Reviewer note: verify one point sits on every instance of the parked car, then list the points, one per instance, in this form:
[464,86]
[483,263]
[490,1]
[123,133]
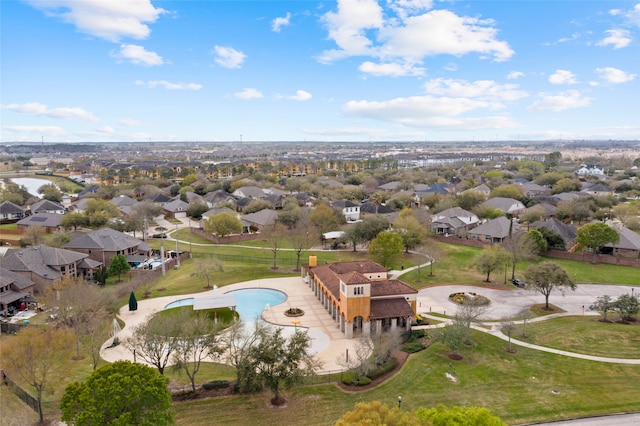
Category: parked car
[518,283]
[159,236]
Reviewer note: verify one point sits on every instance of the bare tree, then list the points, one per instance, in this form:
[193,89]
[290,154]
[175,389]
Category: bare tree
[520,247]
[154,340]
[205,267]
[359,362]
[198,339]
[301,239]
[508,328]
[467,313]
[274,234]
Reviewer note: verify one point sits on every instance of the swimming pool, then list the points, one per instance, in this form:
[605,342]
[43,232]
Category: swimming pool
[250,301]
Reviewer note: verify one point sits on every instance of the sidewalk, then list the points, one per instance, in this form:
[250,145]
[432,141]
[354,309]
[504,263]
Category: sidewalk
[327,341]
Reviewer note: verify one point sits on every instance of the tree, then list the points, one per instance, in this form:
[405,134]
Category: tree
[34,235]
[520,246]
[595,236]
[133,303]
[552,159]
[77,306]
[325,219]
[100,212]
[154,340]
[196,208]
[443,416]
[122,393]
[566,185]
[274,235]
[533,214]
[257,205]
[508,327]
[453,336]
[377,413]
[467,313]
[361,361]
[410,229]
[432,250]
[50,192]
[223,224]
[603,304]
[119,265]
[197,339]
[290,213]
[204,267]
[553,239]
[545,277]
[469,199]
[626,306]
[536,237]
[33,356]
[301,239]
[490,259]
[274,359]
[74,219]
[386,248]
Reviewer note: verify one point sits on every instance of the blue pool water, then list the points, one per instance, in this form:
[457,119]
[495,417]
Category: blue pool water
[250,301]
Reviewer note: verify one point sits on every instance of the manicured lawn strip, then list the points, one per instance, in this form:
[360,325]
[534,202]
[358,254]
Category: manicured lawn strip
[516,387]
[587,335]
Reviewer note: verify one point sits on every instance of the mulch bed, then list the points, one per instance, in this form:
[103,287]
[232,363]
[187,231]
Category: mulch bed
[399,355]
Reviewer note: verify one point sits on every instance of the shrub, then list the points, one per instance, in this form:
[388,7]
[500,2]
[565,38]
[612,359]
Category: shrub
[216,384]
[413,347]
[383,369]
[362,381]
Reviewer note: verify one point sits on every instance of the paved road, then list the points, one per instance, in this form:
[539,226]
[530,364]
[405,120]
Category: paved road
[632,419]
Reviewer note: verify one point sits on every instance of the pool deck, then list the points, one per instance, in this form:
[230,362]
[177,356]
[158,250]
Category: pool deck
[327,340]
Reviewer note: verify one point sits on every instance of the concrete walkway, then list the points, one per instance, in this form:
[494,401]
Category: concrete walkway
[328,343]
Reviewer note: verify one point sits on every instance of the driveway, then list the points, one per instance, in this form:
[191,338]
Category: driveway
[510,303]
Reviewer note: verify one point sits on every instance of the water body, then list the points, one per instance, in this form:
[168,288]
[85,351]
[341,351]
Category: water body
[32,184]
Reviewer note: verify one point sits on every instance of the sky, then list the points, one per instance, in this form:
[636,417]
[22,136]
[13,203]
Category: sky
[305,71]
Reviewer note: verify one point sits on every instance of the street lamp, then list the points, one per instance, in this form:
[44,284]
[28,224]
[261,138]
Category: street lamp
[399,401]
[177,251]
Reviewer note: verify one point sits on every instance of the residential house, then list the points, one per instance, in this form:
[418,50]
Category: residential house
[454,221]
[494,230]
[628,246]
[44,265]
[15,290]
[482,189]
[104,244]
[219,198]
[507,205]
[176,209]
[254,222]
[47,206]
[252,192]
[360,297]
[567,232]
[123,200]
[589,170]
[212,212]
[370,208]
[10,212]
[598,189]
[304,199]
[349,210]
[532,190]
[49,221]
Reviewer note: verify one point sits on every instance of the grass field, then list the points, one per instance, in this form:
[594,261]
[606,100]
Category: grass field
[517,387]
[587,335]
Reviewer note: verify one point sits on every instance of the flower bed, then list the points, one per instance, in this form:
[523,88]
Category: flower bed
[294,312]
[476,299]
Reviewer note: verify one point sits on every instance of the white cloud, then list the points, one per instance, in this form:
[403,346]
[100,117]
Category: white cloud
[633,15]
[248,93]
[359,28]
[405,8]
[138,55]
[36,130]
[301,95]
[129,122]
[228,57]
[391,69]
[152,84]
[562,77]
[614,75]
[482,89]
[561,101]
[278,23]
[35,108]
[106,130]
[616,38]
[514,75]
[106,19]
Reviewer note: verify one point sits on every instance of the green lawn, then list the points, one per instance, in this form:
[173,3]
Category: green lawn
[518,387]
[586,335]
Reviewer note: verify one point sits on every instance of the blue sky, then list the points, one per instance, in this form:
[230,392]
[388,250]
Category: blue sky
[352,70]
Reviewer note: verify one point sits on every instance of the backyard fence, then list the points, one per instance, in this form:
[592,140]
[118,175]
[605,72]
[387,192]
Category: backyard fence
[19,392]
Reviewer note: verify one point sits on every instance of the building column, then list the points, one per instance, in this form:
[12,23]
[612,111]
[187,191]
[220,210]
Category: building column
[341,323]
[394,324]
[366,329]
[348,330]
[378,327]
